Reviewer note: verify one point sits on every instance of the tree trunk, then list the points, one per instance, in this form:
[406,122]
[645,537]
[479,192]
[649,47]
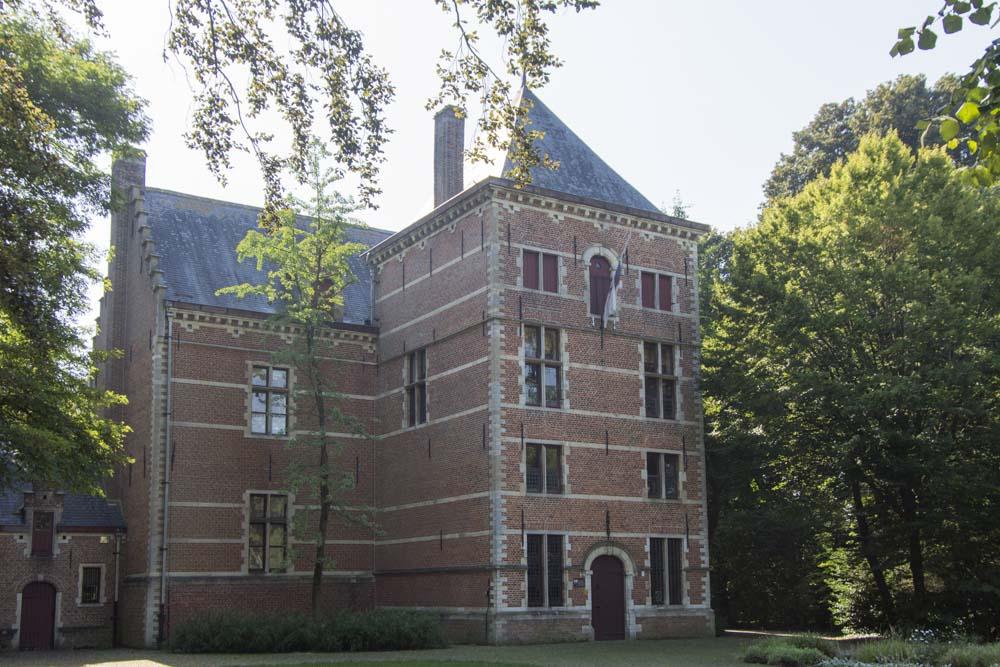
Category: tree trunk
[916,554]
[324,485]
[870,552]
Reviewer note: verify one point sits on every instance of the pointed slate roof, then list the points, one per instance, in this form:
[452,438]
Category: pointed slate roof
[581,171]
[196,240]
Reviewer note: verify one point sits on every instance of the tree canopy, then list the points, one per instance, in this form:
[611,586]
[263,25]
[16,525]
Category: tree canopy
[62,104]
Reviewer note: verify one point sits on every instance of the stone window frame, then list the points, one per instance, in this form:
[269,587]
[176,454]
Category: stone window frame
[676,377]
[564,568]
[415,385]
[289,401]
[562,362]
[674,301]
[541,252]
[668,589]
[584,264]
[680,477]
[102,597]
[247,520]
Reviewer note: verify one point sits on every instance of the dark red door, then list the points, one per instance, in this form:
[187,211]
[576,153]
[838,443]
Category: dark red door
[608,613]
[38,616]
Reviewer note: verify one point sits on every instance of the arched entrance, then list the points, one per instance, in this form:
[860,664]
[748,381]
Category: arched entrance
[608,598]
[38,616]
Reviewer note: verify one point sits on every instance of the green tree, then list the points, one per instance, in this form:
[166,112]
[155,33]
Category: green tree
[837,128]
[969,118]
[306,265]
[863,316]
[62,105]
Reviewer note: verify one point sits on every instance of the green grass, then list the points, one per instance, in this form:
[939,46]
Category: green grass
[408,663]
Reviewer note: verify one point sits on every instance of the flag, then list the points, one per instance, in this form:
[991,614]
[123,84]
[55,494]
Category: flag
[611,303]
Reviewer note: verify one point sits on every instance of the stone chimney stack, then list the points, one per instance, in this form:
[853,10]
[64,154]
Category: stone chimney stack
[449,149]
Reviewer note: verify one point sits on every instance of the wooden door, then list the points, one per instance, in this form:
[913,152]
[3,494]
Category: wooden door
[38,616]
[608,598]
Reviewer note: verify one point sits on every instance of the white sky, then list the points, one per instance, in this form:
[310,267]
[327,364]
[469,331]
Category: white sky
[700,97]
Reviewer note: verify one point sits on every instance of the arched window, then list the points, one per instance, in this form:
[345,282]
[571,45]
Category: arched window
[600,283]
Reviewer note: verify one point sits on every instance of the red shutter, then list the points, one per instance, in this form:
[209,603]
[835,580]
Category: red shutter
[648,290]
[550,273]
[665,293]
[530,260]
[41,534]
[600,284]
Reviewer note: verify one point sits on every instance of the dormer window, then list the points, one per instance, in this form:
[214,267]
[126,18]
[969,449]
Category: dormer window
[41,534]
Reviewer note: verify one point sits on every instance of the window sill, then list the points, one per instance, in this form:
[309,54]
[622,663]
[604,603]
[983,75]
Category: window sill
[666,501]
[544,494]
[415,427]
[267,436]
[92,605]
[543,407]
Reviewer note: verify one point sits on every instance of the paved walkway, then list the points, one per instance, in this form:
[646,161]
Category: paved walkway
[714,652]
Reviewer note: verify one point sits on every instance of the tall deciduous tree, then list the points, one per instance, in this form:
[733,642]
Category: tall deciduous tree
[305,261]
[62,105]
[865,315]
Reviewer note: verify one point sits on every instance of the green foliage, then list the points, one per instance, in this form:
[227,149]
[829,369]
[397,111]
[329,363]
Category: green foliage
[853,370]
[894,650]
[971,655]
[837,128]
[788,652]
[246,632]
[969,118]
[62,105]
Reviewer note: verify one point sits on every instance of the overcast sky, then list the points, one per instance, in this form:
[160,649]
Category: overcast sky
[695,97]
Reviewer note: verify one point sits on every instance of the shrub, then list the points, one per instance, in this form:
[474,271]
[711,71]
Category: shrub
[244,632]
[893,650]
[782,652]
[972,655]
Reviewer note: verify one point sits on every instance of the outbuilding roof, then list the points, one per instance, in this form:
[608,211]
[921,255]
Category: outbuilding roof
[79,510]
[196,242]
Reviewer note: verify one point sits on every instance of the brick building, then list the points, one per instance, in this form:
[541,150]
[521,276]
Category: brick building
[534,475]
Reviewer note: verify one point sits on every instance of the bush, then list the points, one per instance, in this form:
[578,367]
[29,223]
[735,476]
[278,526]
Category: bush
[242,632]
[972,655]
[893,650]
[783,652]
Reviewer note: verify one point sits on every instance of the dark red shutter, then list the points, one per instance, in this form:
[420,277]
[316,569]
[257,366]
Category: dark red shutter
[665,295]
[600,284]
[648,290]
[550,273]
[41,534]
[530,269]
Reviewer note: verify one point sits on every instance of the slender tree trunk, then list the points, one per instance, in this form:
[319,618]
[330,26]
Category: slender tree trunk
[871,553]
[916,554]
[324,485]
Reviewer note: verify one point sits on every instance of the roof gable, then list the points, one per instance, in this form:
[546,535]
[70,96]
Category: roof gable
[196,242]
[581,171]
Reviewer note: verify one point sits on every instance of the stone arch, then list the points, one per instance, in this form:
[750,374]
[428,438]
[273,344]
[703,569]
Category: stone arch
[588,256]
[607,548]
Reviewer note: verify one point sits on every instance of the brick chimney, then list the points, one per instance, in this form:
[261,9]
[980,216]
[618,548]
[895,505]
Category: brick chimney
[449,148]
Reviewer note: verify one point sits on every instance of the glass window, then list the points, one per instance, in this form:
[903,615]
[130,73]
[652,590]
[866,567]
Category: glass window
[545,570]
[659,380]
[662,475]
[90,585]
[543,468]
[269,403]
[268,536]
[542,367]
[416,387]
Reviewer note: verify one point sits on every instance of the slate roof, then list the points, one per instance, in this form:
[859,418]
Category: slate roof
[581,171]
[79,511]
[196,240]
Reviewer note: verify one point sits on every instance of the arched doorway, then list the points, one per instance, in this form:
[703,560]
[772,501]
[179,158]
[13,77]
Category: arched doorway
[600,283]
[38,616]
[608,598]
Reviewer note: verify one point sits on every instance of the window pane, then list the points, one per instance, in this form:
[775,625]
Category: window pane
[258,423]
[652,396]
[411,405]
[258,377]
[667,359]
[258,401]
[279,425]
[256,534]
[671,475]
[90,592]
[411,365]
[648,290]
[530,269]
[256,558]
[532,350]
[533,468]
[653,484]
[276,535]
[555,570]
[674,571]
[551,343]
[422,405]
[421,364]
[536,572]
[550,273]
[665,295]
[657,570]
[552,387]
[553,470]
[279,378]
[278,507]
[278,401]
[276,558]
[649,357]
[532,384]
[669,409]
[258,506]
